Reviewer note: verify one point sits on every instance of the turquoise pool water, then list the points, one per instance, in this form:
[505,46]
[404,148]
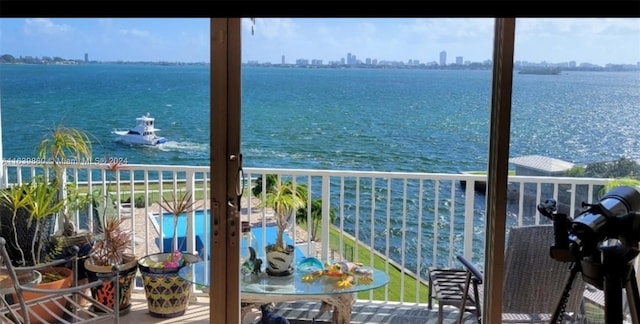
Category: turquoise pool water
[202,223]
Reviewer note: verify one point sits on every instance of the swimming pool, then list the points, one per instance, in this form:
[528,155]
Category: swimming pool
[202,223]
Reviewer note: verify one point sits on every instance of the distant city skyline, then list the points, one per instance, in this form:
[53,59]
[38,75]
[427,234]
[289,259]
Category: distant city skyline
[597,41]
[442,59]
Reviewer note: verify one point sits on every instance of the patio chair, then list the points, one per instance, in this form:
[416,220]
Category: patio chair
[63,305]
[445,286]
[533,281]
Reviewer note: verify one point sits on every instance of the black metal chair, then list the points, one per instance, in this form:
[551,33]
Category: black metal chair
[61,304]
[446,286]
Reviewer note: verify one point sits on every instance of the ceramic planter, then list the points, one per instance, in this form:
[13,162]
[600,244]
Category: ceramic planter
[167,294]
[279,262]
[65,281]
[105,293]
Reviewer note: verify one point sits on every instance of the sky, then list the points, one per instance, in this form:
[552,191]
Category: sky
[554,40]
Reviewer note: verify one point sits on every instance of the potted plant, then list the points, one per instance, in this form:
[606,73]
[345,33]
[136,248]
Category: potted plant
[33,206]
[285,199]
[59,146]
[166,292]
[29,210]
[112,247]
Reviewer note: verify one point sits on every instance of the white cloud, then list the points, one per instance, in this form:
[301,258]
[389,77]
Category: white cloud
[274,28]
[135,32]
[44,26]
[577,26]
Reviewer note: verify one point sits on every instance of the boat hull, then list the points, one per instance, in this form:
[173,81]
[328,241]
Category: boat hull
[139,140]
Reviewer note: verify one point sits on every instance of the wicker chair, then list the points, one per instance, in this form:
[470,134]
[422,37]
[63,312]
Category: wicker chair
[64,303]
[533,281]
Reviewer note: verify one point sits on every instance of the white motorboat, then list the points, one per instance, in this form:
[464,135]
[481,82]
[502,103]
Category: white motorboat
[144,133]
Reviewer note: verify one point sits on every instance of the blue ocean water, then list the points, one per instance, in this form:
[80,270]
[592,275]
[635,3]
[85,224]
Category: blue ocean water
[99,98]
[351,119]
[345,119]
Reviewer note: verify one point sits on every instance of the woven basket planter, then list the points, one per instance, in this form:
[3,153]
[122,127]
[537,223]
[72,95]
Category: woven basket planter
[167,294]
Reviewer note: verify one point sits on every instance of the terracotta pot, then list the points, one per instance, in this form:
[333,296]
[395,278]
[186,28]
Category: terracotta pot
[105,293]
[167,294]
[64,282]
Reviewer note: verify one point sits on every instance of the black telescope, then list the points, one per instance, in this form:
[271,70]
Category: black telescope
[601,242]
[613,217]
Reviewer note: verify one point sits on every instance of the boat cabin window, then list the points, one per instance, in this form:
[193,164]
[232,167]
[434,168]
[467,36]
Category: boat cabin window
[133,133]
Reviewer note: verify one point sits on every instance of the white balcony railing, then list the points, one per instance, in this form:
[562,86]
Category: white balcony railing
[411,220]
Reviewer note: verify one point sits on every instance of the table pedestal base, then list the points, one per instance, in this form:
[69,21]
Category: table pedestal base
[341,304]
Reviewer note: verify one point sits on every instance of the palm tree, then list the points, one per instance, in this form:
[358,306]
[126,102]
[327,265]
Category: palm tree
[177,206]
[271,181]
[60,146]
[286,200]
[316,216]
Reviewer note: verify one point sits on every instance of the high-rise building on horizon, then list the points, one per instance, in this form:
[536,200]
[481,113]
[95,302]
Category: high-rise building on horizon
[86,57]
[351,59]
[443,58]
[459,60]
[282,59]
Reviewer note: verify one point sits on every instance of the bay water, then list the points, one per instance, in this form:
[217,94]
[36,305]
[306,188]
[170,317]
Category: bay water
[346,119]
[341,119]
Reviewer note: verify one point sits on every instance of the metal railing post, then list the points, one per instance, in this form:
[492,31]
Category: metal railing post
[326,206]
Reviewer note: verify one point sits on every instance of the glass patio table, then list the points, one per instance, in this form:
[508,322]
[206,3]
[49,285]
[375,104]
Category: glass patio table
[262,289]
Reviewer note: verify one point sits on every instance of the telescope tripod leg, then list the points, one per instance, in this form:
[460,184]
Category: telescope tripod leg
[613,285]
[565,295]
[633,298]
[612,288]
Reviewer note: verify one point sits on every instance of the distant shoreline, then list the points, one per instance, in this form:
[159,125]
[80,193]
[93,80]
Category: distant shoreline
[472,66]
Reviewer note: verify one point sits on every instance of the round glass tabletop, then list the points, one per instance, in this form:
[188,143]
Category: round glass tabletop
[198,273]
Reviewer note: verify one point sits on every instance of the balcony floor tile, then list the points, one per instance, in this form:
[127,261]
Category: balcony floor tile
[303,312]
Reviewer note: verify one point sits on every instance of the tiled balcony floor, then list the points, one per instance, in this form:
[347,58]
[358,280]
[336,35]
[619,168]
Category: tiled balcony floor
[302,312]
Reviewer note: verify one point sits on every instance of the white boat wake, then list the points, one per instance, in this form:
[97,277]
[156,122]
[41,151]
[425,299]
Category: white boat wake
[183,146]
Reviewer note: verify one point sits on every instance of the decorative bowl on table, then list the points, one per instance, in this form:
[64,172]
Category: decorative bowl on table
[310,265]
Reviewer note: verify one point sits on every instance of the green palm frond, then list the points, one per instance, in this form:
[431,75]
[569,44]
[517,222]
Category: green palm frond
[626,181]
[285,199]
[177,206]
[42,201]
[62,144]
